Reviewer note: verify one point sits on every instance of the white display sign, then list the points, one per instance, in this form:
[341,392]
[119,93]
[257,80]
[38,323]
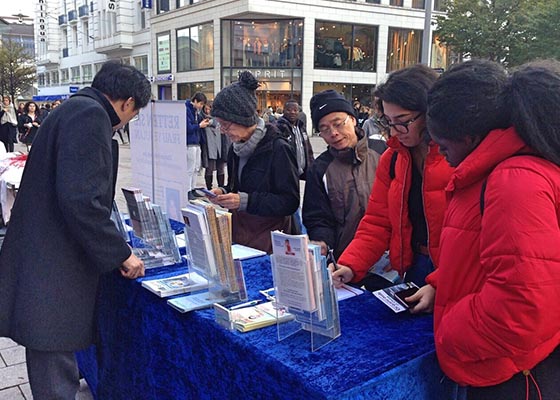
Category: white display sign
[42,20]
[158,151]
[112,5]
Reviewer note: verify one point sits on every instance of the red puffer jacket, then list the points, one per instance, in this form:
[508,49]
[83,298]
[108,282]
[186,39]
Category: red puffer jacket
[498,282]
[386,223]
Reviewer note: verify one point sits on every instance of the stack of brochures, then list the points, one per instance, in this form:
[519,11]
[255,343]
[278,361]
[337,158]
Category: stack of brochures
[250,318]
[150,223]
[177,284]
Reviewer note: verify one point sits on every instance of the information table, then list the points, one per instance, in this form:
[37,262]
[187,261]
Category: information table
[151,351]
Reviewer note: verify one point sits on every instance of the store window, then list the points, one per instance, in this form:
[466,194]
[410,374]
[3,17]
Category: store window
[360,92]
[141,63]
[404,48]
[345,46]
[262,44]
[195,48]
[439,5]
[187,90]
[441,55]
[164,52]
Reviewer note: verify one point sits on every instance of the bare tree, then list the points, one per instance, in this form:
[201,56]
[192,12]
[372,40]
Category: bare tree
[17,69]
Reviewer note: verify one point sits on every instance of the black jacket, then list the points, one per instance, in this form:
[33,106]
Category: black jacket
[285,128]
[61,237]
[270,179]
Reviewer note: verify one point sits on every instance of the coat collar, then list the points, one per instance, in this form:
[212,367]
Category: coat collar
[101,99]
[497,146]
[352,155]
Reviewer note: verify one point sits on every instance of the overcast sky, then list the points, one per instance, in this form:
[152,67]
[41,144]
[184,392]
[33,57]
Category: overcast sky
[10,7]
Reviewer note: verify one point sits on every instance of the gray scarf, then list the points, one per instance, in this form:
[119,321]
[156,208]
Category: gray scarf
[245,149]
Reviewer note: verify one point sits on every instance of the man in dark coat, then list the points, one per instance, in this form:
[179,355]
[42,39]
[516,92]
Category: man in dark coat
[61,238]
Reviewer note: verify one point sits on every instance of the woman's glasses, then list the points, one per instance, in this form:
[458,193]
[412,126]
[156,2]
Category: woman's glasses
[401,127]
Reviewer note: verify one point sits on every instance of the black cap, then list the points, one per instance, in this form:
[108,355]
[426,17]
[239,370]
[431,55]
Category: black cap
[326,102]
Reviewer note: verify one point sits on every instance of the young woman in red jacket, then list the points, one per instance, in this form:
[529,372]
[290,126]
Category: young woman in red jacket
[407,203]
[496,312]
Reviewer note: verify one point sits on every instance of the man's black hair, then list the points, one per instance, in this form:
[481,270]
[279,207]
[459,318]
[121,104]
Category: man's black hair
[200,97]
[119,82]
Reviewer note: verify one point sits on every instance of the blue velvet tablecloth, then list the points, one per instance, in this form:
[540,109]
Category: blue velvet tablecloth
[150,351]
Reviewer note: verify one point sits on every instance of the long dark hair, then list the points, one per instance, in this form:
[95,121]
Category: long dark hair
[532,98]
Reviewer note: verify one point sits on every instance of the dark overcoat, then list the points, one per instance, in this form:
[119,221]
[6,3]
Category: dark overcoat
[60,237]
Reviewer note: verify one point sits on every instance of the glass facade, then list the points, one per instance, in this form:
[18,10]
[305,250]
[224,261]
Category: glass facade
[353,92]
[345,46]
[195,47]
[262,43]
[187,90]
[404,48]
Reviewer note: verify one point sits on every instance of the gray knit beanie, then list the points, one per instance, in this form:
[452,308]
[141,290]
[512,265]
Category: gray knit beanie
[238,102]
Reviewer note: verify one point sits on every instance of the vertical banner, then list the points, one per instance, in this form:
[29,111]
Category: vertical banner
[158,152]
[42,21]
[111,5]
[164,52]
[146,3]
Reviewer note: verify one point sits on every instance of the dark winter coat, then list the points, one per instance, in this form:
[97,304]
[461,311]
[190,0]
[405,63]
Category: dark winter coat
[60,238]
[285,127]
[270,179]
[194,133]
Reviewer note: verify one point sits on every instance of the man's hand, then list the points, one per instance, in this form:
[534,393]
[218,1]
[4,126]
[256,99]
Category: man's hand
[425,296]
[342,275]
[132,267]
[231,201]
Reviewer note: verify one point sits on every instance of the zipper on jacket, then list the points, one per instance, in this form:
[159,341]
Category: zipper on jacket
[401,272]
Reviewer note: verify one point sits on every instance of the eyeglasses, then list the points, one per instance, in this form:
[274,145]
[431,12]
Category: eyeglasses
[337,126]
[224,126]
[401,127]
[135,118]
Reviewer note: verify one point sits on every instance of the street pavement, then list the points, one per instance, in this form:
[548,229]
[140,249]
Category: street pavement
[14,383]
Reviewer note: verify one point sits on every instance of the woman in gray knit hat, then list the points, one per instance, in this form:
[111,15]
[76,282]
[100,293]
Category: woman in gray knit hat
[263,186]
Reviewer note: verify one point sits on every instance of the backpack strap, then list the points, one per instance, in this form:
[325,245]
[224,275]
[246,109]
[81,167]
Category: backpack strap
[392,165]
[482,190]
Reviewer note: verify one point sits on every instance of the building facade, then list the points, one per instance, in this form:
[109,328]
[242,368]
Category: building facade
[294,47]
[75,37]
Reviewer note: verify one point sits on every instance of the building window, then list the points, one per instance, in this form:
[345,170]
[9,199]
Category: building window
[195,48]
[87,73]
[162,6]
[187,90]
[55,78]
[345,46]
[263,43]
[41,80]
[398,3]
[47,79]
[75,74]
[404,48]
[85,27]
[141,63]
[141,17]
[97,67]
[439,5]
[64,73]
[418,4]
[164,52]
[352,92]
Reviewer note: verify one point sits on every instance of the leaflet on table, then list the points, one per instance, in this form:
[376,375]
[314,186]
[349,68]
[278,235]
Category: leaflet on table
[389,296]
[241,252]
[380,266]
[250,318]
[193,302]
[293,276]
[178,284]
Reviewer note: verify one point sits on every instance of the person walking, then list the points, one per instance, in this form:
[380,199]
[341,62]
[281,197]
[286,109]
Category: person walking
[214,150]
[195,124]
[8,124]
[61,238]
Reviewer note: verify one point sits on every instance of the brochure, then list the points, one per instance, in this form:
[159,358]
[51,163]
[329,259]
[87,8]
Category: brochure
[178,284]
[393,296]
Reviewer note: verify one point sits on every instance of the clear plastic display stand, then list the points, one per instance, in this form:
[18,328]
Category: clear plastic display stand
[322,321]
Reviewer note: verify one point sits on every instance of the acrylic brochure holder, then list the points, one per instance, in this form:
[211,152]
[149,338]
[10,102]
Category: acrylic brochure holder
[303,287]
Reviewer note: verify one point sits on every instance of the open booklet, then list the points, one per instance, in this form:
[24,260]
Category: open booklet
[393,296]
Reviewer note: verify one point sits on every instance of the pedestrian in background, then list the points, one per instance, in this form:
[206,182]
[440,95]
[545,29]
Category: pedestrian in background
[8,124]
[196,122]
[61,238]
[214,150]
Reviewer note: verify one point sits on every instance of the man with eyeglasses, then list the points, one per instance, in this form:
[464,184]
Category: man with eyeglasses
[340,180]
[61,238]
